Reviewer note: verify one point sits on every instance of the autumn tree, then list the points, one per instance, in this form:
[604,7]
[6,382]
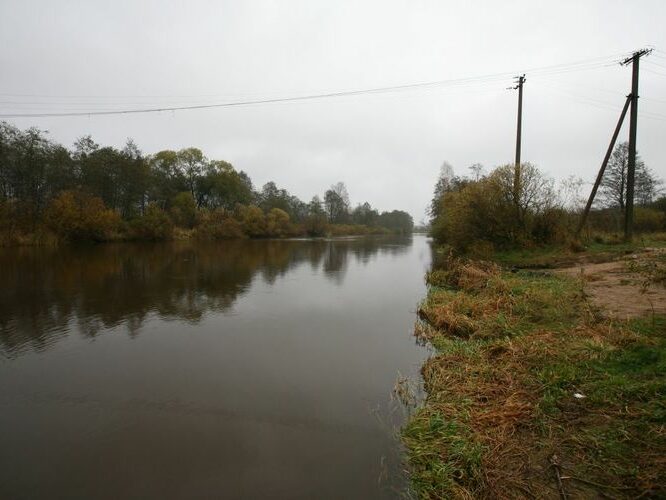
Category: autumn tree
[192,164]
[445,182]
[277,223]
[183,209]
[167,180]
[79,216]
[32,170]
[491,211]
[222,186]
[134,181]
[154,225]
[397,221]
[272,197]
[365,215]
[315,221]
[252,219]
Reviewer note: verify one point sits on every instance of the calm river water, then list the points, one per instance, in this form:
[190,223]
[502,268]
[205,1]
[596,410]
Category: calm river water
[244,369]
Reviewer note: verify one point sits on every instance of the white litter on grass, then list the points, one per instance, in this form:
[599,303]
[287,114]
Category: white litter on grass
[578,395]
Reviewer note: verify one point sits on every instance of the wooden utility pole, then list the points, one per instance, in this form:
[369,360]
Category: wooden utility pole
[519,86]
[633,122]
[520,80]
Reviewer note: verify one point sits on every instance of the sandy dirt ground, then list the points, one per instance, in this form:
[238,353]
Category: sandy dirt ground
[619,289]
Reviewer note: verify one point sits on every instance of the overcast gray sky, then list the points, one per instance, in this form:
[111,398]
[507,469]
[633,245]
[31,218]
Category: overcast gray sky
[388,147]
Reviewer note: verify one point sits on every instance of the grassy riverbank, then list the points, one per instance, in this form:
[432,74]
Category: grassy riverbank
[535,390]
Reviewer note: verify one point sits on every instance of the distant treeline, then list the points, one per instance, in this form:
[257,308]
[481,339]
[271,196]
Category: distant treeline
[49,192]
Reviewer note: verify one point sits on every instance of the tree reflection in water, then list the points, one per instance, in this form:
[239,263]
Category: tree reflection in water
[49,293]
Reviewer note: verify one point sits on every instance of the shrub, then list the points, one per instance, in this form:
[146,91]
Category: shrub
[155,224]
[277,223]
[483,250]
[218,225]
[8,217]
[316,225]
[649,219]
[606,220]
[183,210]
[492,211]
[78,216]
[252,220]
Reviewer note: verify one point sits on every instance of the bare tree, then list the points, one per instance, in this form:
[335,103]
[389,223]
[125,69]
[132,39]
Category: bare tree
[336,203]
[571,193]
[341,190]
[613,188]
[444,183]
[477,170]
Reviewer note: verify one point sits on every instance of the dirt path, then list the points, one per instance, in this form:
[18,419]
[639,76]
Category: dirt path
[618,287]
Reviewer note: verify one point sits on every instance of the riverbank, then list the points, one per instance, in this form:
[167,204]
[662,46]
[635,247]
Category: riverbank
[46,238]
[538,389]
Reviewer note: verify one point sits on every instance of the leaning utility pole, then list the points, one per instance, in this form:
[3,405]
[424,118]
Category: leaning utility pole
[633,121]
[600,175]
[520,80]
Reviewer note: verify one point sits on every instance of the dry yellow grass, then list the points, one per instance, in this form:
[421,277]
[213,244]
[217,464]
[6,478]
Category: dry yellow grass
[550,401]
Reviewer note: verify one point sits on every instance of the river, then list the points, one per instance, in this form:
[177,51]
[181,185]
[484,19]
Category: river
[241,369]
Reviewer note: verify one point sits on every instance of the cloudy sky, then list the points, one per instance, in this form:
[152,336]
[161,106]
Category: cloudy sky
[387,147]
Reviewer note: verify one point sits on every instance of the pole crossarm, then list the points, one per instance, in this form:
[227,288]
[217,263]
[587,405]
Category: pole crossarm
[639,53]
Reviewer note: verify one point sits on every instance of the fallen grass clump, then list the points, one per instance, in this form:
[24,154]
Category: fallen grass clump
[531,395]
[475,300]
[464,274]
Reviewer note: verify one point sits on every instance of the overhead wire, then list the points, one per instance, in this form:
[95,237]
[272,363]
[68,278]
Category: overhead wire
[653,72]
[653,63]
[600,89]
[582,65]
[601,104]
[554,67]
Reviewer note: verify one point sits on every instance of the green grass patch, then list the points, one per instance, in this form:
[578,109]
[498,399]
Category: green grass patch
[552,256]
[523,373]
[443,455]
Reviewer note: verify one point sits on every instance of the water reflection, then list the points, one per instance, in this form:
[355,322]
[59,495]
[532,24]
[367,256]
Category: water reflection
[48,293]
[247,369]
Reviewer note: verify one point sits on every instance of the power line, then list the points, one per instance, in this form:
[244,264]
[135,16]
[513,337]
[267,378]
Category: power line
[654,72]
[457,89]
[587,64]
[598,89]
[652,63]
[598,103]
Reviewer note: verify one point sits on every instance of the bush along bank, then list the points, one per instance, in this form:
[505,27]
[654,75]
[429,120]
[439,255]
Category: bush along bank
[534,393]
[78,217]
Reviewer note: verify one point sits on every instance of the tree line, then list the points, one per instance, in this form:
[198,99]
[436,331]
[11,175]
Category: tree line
[487,211]
[94,192]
